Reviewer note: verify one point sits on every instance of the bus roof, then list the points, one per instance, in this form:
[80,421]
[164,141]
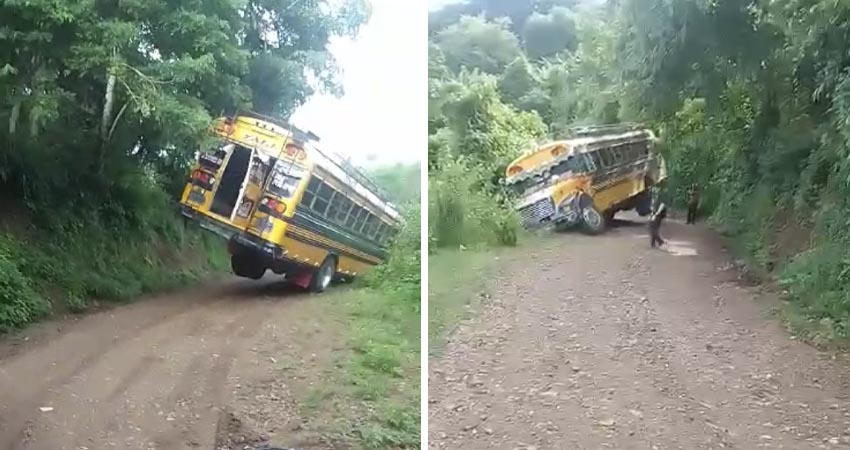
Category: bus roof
[550,151]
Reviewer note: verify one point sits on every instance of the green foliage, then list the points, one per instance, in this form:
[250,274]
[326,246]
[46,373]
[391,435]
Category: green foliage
[82,262]
[546,35]
[474,135]
[400,181]
[464,210]
[94,93]
[474,43]
[19,302]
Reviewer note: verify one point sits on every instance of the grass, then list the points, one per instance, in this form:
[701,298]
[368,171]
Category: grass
[456,280]
[368,395]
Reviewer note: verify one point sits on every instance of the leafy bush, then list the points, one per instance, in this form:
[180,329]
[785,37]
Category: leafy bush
[19,302]
[75,262]
[465,210]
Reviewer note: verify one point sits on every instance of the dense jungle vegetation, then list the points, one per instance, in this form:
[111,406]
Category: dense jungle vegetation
[103,105]
[750,99]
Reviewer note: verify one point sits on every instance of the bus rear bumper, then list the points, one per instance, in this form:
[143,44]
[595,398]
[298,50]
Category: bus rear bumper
[242,242]
[238,241]
[208,223]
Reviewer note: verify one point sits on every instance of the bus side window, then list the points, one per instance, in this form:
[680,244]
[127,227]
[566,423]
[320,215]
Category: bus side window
[310,193]
[344,206]
[586,163]
[333,209]
[607,157]
[623,151]
[323,199]
[597,160]
[358,227]
[381,235]
[352,218]
[616,154]
[393,232]
[371,226]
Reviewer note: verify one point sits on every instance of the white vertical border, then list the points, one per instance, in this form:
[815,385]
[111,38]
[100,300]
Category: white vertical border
[421,141]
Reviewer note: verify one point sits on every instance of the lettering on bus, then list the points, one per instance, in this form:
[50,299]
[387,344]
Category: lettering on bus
[258,142]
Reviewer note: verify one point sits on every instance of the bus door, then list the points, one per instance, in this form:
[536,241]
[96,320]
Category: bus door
[252,188]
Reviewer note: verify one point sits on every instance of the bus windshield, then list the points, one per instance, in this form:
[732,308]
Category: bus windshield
[549,175]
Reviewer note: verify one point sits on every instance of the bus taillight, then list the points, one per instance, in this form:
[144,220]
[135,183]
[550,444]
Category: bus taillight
[203,179]
[273,207]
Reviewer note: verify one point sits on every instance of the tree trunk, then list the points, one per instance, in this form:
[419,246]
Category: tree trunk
[108,101]
[13,117]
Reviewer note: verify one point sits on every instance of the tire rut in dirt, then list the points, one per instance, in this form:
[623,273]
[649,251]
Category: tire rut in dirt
[130,381]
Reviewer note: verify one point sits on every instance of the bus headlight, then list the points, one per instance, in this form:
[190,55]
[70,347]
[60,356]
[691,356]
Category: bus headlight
[569,209]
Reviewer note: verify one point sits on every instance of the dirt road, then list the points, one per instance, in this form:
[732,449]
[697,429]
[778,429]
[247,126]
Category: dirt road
[600,342]
[182,371]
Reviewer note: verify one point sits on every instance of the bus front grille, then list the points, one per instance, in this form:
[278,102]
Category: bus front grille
[537,212]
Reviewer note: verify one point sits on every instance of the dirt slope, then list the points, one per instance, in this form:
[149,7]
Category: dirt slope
[183,371]
[600,342]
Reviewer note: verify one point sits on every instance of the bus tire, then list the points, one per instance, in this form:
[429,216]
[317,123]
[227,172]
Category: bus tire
[323,276]
[245,266]
[593,222]
[643,203]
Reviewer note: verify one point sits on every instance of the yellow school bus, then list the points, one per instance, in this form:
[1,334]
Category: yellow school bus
[584,180]
[286,206]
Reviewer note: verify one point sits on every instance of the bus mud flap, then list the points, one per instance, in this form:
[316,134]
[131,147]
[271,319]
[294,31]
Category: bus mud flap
[302,279]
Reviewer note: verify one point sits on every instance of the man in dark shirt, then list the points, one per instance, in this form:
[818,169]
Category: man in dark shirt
[655,225]
[693,204]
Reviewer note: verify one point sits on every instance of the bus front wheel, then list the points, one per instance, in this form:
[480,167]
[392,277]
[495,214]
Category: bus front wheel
[323,276]
[593,221]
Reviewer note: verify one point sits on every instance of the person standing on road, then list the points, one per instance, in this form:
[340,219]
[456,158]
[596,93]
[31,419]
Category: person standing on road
[655,225]
[693,204]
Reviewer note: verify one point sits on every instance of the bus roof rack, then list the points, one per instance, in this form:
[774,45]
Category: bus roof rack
[599,130]
[344,163]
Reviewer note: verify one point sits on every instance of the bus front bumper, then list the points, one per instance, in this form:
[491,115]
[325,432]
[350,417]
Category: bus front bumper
[565,215]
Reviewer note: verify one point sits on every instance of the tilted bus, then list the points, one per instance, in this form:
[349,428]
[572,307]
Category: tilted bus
[286,206]
[586,179]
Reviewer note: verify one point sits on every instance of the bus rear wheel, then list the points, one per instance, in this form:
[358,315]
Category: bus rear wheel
[323,276]
[245,266]
[643,203]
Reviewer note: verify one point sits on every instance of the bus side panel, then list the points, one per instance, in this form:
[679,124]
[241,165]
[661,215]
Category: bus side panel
[302,252]
[351,266]
[618,192]
[313,255]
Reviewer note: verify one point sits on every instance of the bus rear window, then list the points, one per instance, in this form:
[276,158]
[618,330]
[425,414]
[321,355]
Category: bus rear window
[285,179]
